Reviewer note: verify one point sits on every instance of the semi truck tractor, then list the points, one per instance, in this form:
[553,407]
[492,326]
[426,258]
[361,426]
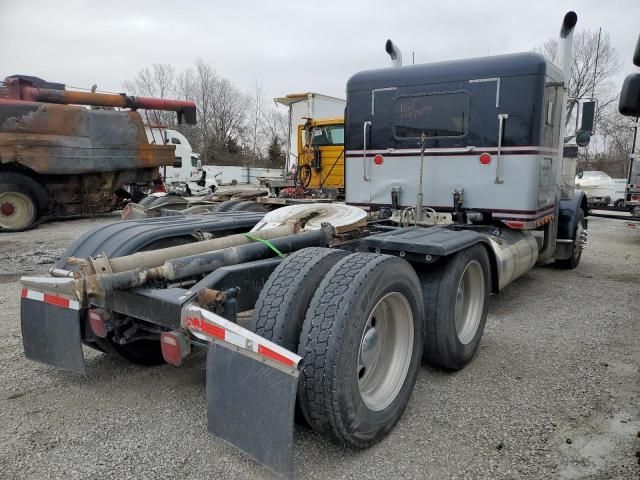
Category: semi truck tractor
[60,158]
[323,313]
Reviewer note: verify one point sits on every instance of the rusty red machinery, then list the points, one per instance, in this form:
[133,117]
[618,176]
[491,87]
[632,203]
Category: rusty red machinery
[67,152]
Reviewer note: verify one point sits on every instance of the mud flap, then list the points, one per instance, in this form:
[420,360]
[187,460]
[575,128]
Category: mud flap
[51,335]
[251,389]
[251,406]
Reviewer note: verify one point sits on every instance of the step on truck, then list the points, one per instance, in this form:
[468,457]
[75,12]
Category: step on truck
[455,187]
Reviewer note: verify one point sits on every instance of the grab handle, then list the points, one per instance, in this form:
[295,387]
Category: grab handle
[501,120]
[364,151]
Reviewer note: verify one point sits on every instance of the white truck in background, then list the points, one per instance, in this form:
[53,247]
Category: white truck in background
[601,189]
[186,175]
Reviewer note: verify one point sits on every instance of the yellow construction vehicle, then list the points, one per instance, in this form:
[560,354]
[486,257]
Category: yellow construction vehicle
[321,154]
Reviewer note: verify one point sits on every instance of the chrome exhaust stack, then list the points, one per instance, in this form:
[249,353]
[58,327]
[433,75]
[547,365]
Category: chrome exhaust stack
[394,52]
[565,44]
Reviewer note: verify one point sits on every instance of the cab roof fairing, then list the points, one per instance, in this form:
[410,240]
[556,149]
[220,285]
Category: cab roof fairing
[516,64]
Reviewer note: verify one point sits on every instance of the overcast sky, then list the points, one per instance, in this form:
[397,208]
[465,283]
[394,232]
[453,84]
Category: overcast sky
[287,46]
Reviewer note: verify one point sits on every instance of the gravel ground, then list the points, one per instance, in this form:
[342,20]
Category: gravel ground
[552,393]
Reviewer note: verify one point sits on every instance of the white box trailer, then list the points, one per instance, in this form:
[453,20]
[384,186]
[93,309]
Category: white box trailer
[303,106]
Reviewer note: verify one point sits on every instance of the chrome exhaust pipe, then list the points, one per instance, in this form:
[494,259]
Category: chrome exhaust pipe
[565,44]
[394,52]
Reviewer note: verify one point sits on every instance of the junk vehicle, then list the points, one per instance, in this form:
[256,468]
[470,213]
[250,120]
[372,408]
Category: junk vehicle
[455,187]
[59,158]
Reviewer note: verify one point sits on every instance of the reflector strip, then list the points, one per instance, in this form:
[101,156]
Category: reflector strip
[204,327]
[201,321]
[51,298]
[267,352]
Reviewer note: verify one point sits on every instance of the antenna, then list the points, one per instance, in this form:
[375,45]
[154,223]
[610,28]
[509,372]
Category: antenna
[595,67]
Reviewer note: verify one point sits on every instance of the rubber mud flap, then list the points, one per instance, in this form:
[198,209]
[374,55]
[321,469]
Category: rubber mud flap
[51,335]
[250,405]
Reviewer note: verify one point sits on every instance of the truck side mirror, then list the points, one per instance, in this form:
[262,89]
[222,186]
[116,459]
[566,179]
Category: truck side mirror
[583,139]
[587,116]
[629,104]
[199,164]
[187,115]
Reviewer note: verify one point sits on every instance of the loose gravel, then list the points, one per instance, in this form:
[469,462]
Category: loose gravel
[552,393]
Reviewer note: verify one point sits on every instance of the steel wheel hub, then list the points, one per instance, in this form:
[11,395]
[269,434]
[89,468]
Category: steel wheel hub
[386,348]
[7,209]
[16,210]
[469,302]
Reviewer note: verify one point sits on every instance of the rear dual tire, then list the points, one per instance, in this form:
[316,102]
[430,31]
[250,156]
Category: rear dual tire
[285,297]
[357,322]
[361,344]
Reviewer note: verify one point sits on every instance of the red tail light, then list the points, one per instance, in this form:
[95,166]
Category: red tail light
[97,322]
[175,347]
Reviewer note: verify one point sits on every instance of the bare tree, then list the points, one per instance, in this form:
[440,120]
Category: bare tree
[158,81]
[588,79]
[232,126]
[229,111]
[274,128]
[274,123]
[615,139]
[198,84]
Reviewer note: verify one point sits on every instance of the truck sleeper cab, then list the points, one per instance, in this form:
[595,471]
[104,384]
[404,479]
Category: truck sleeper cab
[491,128]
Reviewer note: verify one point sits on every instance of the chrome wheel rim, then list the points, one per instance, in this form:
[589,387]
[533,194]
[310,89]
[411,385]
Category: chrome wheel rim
[386,348]
[580,241]
[16,210]
[469,302]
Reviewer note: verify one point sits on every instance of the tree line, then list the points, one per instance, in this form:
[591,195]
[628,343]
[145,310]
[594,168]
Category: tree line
[233,127]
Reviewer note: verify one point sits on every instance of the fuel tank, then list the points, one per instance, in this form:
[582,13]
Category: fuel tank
[516,253]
